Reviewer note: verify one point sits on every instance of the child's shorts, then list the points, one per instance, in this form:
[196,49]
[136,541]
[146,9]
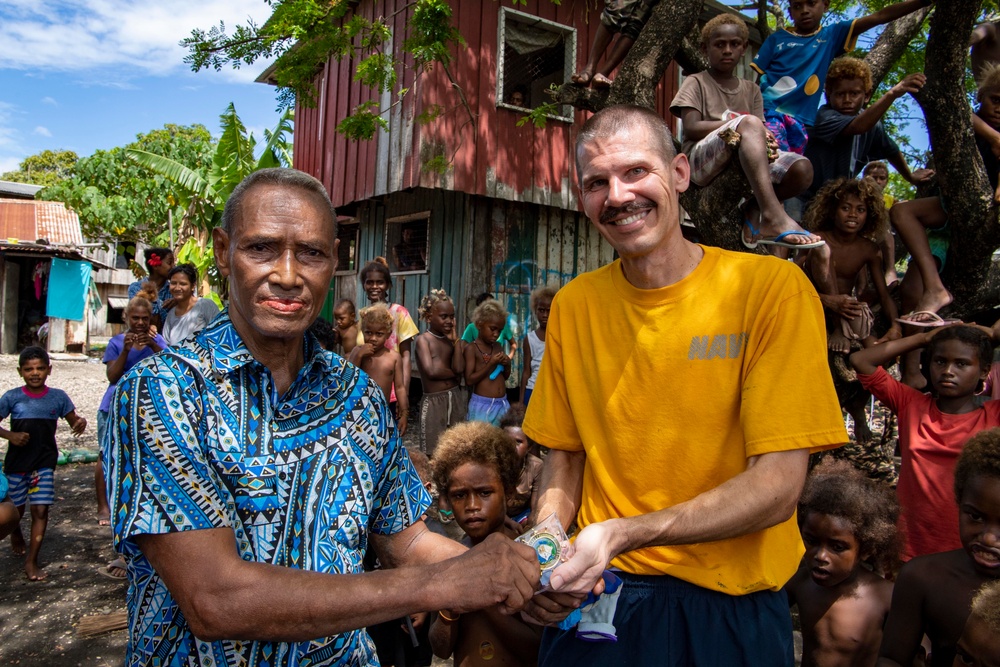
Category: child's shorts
[710,156]
[489,410]
[661,620]
[3,487]
[439,411]
[38,487]
[789,132]
[627,17]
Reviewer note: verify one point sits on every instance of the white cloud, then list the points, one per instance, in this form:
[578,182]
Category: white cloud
[12,152]
[9,164]
[128,38]
[49,101]
[43,131]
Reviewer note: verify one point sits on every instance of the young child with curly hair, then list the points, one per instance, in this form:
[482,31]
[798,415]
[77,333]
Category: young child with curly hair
[439,359]
[383,365]
[933,594]
[848,525]
[487,366]
[476,468]
[979,645]
[850,216]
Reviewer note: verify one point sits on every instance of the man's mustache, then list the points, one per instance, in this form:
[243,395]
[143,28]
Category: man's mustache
[610,214]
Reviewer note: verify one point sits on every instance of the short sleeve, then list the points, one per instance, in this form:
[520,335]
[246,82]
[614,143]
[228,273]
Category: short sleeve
[763,58]
[470,334]
[400,498]
[829,124]
[208,309]
[887,389]
[787,370]
[114,349]
[157,471]
[844,36]
[405,328]
[65,404]
[883,147]
[133,289]
[549,420]
[6,405]
[689,96]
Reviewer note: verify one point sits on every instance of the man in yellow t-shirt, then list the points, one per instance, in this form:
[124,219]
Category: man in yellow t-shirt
[682,390]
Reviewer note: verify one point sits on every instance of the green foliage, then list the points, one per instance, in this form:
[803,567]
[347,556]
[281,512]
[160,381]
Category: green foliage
[115,197]
[363,123]
[46,168]
[439,164]
[539,116]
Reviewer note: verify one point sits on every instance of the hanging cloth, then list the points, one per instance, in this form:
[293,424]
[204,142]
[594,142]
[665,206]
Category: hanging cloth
[69,282]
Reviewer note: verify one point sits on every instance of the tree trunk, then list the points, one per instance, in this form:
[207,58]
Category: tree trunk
[965,191]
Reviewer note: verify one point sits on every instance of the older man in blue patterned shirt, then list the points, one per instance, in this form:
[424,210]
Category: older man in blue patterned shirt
[250,470]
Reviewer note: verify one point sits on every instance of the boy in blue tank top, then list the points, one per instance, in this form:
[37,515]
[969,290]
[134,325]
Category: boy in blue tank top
[34,411]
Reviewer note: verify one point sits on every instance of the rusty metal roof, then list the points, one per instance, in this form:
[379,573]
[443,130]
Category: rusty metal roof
[31,220]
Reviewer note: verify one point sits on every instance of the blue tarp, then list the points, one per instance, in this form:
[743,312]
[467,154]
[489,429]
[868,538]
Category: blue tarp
[69,282]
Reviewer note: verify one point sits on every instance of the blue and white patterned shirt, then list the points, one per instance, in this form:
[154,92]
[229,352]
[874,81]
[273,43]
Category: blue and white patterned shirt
[201,439]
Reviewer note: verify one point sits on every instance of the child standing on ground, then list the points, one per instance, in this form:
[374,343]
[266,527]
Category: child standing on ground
[439,360]
[476,468]
[792,64]
[345,317]
[933,594]
[849,215]
[847,522]
[376,280]
[525,495]
[34,410]
[482,360]
[723,115]
[979,645]
[932,429]
[383,365]
[534,343]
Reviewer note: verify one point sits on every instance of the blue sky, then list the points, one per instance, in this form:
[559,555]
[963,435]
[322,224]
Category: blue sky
[91,74]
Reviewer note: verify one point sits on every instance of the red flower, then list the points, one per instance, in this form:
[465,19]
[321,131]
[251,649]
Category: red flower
[154,260]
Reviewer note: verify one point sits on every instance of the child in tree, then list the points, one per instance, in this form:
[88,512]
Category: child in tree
[878,172]
[792,64]
[846,135]
[487,367]
[979,645]
[345,317]
[933,429]
[624,17]
[848,525]
[534,343]
[385,366]
[475,466]
[722,115]
[440,361]
[849,215]
[34,411]
[933,594]
[522,501]
[922,289]
[985,42]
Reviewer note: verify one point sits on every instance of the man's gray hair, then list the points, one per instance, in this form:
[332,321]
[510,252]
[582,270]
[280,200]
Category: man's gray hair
[624,118]
[292,178]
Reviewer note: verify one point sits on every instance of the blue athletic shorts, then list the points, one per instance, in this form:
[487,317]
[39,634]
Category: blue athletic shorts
[38,487]
[663,621]
[489,410]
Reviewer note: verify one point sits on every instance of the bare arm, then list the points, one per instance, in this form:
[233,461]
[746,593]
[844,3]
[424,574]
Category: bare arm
[904,628]
[16,438]
[762,496]
[402,398]
[223,597]
[868,360]
[404,351]
[116,369]
[431,367]
[916,177]
[868,117]
[982,129]
[443,634]
[561,487]
[696,128]
[877,272]
[983,32]
[474,375]
[887,14]
[77,424]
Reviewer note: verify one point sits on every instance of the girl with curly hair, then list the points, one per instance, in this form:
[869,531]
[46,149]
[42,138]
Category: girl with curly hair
[850,216]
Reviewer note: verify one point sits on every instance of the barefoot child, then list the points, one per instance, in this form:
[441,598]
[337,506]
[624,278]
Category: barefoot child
[878,172]
[476,468]
[847,522]
[34,410]
[932,429]
[723,115]
[624,17]
[385,366]
[534,342]
[933,593]
[979,645]
[345,317]
[525,495]
[439,360]
[483,357]
[849,215]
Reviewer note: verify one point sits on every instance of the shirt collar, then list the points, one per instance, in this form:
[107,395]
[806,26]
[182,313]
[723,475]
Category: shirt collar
[228,353]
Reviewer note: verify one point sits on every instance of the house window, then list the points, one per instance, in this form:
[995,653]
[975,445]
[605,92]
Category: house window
[406,242]
[534,54]
[348,231]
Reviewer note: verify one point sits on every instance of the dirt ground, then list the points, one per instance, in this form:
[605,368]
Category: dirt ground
[39,618]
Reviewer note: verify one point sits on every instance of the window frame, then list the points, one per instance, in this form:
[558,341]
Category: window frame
[341,224]
[401,220]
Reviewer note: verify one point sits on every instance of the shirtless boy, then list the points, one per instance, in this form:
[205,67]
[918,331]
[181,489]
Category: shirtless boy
[440,362]
[483,357]
[383,365]
[476,467]
[344,316]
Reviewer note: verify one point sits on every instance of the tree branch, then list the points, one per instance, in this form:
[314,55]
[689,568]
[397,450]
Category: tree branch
[893,42]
